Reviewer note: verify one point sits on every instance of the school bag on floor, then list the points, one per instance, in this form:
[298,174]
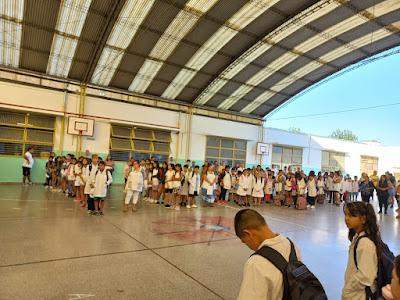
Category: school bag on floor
[301,203]
[299,282]
[278,200]
[321,198]
[385,269]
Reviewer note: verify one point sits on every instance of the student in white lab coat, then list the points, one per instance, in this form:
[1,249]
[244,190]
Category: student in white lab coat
[355,188]
[194,187]
[232,190]
[360,218]
[85,178]
[258,186]
[88,189]
[208,186]
[243,188]
[134,186]
[101,180]
[261,279]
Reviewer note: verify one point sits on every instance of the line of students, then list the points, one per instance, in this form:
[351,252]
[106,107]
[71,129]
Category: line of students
[372,271]
[85,180]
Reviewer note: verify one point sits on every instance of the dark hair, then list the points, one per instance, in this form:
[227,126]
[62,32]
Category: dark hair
[397,266]
[102,163]
[227,167]
[197,167]
[30,148]
[240,172]
[371,228]
[248,219]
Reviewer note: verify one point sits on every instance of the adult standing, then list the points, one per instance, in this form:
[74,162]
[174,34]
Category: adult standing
[367,188]
[27,165]
[109,163]
[383,187]
[375,179]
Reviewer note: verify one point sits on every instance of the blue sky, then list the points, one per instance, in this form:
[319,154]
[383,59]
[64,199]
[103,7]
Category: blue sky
[374,84]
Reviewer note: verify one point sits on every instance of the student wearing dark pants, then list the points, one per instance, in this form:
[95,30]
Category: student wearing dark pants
[226,184]
[382,188]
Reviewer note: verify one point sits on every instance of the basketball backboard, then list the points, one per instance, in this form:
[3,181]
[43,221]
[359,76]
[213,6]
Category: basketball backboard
[80,126]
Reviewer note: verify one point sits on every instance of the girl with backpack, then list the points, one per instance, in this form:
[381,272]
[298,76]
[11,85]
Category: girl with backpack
[364,253]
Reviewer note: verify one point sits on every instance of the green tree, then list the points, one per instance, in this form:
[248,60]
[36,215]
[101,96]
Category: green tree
[295,129]
[344,135]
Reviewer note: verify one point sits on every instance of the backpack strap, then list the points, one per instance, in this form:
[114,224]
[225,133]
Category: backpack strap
[274,257]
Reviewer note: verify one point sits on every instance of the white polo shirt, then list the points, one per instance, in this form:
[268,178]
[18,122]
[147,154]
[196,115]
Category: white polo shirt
[261,279]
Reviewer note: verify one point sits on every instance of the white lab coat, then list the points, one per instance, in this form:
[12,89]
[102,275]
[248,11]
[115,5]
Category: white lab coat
[135,181]
[88,189]
[355,280]
[70,172]
[312,188]
[321,184]
[268,186]
[233,184]
[193,187]
[243,184]
[261,279]
[251,180]
[258,185]
[168,176]
[101,182]
[227,181]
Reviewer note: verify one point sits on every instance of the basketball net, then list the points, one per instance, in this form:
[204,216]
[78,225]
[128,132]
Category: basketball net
[80,132]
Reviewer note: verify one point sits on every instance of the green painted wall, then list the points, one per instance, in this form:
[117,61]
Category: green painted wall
[11,169]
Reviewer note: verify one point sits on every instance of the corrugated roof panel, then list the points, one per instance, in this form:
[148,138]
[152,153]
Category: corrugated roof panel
[13,9]
[72,16]
[10,42]
[62,53]
[105,69]
[145,75]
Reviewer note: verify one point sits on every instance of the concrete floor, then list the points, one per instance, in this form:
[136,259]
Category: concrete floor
[51,249]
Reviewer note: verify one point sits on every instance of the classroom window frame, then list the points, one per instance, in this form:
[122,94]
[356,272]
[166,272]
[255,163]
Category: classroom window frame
[24,125]
[220,148]
[337,166]
[282,163]
[137,143]
[374,166]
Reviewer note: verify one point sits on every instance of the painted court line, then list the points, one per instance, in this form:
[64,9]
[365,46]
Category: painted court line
[276,219]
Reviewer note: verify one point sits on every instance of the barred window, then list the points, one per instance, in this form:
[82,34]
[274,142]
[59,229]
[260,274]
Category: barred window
[228,150]
[333,161]
[139,143]
[287,157]
[19,131]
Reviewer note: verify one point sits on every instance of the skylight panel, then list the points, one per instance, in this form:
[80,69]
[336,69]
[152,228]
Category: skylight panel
[129,20]
[145,76]
[11,31]
[71,18]
[61,55]
[212,90]
[235,96]
[104,71]
[264,97]
[178,84]
[200,7]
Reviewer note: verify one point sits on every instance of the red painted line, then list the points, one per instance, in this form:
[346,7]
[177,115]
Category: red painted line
[90,116]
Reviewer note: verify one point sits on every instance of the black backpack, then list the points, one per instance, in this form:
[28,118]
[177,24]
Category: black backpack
[385,269]
[107,172]
[299,283]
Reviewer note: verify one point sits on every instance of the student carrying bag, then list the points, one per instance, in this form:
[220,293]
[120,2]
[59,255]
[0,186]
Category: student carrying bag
[385,269]
[299,283]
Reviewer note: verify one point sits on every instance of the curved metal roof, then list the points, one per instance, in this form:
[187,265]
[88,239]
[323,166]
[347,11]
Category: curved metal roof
[242,56]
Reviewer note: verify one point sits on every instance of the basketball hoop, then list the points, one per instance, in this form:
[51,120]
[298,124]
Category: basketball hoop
[80,132]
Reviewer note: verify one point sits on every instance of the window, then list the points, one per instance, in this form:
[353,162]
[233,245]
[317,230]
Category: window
[287,157]
[368,164]
[230,151]
[19,131]
[332,161]
[139,143]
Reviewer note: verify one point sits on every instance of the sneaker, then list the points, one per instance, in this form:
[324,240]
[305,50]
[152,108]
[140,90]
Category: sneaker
[96,213]
[177,208]
[194,206]
[89,211]
[46,187]
[224,202]
[134,208]
[312,206]
[219,202]
[101,213]
[162,202]
[82,205]
[188,206]
[308,205]
[167,206]
[77,199]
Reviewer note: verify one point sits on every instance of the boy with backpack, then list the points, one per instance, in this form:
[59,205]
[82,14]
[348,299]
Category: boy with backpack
[99,183]
[275,270]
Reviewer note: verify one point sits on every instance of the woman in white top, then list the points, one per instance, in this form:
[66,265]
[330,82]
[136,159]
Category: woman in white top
[312,191]
[185,186]
[134,186]
[169,175]
[208,186]
[85,180]
[258,185]
[361,273]
[177,185]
